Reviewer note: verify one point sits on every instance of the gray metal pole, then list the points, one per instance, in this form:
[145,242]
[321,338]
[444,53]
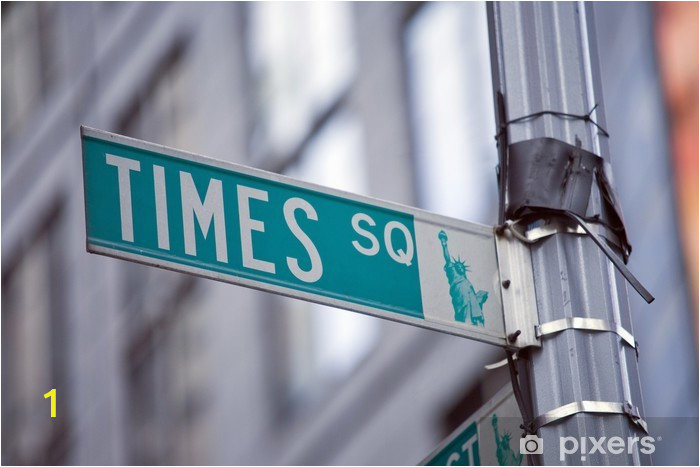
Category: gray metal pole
[544,57]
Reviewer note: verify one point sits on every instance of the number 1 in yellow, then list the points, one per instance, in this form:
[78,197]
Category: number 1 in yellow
[52,395]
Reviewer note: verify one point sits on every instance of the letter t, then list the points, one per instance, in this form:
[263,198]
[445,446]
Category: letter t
[123,166]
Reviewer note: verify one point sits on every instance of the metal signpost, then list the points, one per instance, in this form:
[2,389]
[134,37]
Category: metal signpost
[168,208]
[491,436]
[583,382]
[578,394]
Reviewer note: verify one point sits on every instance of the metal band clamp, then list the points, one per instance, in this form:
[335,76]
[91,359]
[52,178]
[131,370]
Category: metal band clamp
[586,324]
[601,407]
[546,226]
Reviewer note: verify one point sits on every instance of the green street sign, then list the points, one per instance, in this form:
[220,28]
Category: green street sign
[168,208]
[489,437]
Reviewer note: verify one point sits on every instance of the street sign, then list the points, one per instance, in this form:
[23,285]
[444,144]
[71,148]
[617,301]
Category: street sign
[168,208]
[489,437]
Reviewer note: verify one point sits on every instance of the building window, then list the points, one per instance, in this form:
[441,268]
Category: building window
[323,345]
[334,156]
[448,61]
[167,395]
[326,344]
[29,65]
[302,59]
[162,109]
[34,353]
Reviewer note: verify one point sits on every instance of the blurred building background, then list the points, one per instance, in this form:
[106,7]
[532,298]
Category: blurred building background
[391,100]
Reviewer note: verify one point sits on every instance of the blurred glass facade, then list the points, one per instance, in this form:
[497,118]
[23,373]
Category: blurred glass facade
[391,100]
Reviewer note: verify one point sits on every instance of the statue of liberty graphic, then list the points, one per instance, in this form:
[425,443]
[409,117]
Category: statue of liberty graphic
[504,454]
[466,301]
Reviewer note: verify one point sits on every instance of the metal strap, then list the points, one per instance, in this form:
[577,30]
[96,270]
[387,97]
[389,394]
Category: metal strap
[586,324]
[553,225]
[600,407]
[634,282]
[500,363]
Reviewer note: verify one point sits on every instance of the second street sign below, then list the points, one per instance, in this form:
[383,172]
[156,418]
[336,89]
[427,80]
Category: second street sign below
[167,208]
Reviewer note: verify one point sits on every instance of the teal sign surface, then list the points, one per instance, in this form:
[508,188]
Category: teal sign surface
[185,212]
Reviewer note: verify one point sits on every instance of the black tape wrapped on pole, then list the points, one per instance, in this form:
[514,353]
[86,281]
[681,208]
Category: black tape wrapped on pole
[555,179]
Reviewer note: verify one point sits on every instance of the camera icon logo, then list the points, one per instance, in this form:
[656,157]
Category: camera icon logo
[531,444]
